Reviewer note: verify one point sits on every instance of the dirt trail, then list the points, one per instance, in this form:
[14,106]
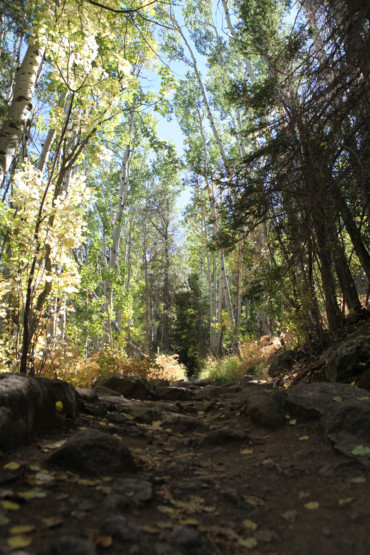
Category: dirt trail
[208,481]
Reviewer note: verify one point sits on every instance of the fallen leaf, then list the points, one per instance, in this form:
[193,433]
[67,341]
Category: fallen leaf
[44,476]
[53,521]
[17,542]
[128,416]
[249,524]
[302,438]
[293,422]
[246,451]
[31,494]
[312,505]
[253,500]
[189,522]
[358,480]
[149,529]
[157,423]
[303,494]
[10,505]
[87,482]
[361,450]
[345,501]
[101,541]
[337,399]
[22,529]
[290,515]
[59,406]
[166,509]
[249,543]
[11,466]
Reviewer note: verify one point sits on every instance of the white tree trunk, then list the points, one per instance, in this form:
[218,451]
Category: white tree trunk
[20,109]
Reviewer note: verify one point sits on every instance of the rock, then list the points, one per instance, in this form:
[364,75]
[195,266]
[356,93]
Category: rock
[347,425]
[120,529]
[27,409]
[263,407]
[182,423]
[281,363]
[208,392]
[165,549]
[71,546]
[64,393]
[173,393]
[221,436]
[102,391]
[350,357]
[310,400]
[132,387]
[93,453]
[140,491]
[185,537]
[364,380]
[87,395]
[146,415]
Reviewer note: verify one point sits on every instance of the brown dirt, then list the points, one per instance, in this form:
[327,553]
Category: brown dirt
[279,492]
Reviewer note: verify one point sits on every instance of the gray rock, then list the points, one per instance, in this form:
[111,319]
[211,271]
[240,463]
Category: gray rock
[173,393]
[27,409]
[347,425]
[281,363]
[132,387]
[120,529]
[364,380]
[140,491]
[208,392]
[185,537]
[182,423]
[350,357]
[93,453]
[87,395]
[71,546]
[165,549]
[310,400]
[263,406]
[103,391]
[65,393]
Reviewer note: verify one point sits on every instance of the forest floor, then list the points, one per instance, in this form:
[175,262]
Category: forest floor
[283,491]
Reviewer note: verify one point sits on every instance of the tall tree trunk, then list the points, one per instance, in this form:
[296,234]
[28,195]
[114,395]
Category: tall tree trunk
[15,123]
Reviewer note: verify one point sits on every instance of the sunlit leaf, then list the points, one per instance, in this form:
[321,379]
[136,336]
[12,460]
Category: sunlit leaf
[246,451]
[312,505]
[17,542]
[303,438]
[361,450]
[59,406]
[11,466]
[53,521]
[9,505]
[358,480]
[247,523]
[22,529]
[345,501]
[248,543]
[31,494]
[337,399]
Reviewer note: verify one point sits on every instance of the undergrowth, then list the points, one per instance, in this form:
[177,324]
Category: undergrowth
[253,361]
[64,363]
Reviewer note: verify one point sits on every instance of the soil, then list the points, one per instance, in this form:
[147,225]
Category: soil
[282,491]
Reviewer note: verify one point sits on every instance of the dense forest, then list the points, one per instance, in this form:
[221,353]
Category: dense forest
[272,99]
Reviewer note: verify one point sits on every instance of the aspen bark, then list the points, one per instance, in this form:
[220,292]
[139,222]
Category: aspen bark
[15,123]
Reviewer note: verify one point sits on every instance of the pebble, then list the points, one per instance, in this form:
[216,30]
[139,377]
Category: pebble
[71,546]
[120,529]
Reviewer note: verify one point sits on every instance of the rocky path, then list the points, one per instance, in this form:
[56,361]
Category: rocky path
[195,470]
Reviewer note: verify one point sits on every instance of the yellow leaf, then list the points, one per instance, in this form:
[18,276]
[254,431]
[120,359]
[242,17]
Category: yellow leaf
[9,505]
[292,422]
[59,406]
[157,423]
[11,466]
[149,529]
[312,505]
[17,542]
[249,543]
[249,524]
[53,521]
[189,522]
[246,451]
[128,416]
[302,438]
[303,494]
[86,482]
[345,501]
[22,529]
[31,494]
[337,399]
[166,509]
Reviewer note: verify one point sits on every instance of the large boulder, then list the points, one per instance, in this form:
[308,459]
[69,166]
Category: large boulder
[347,425]
[131,387]
[28,407]
[350,357]
[93,453]
[263,406]
[311,400]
